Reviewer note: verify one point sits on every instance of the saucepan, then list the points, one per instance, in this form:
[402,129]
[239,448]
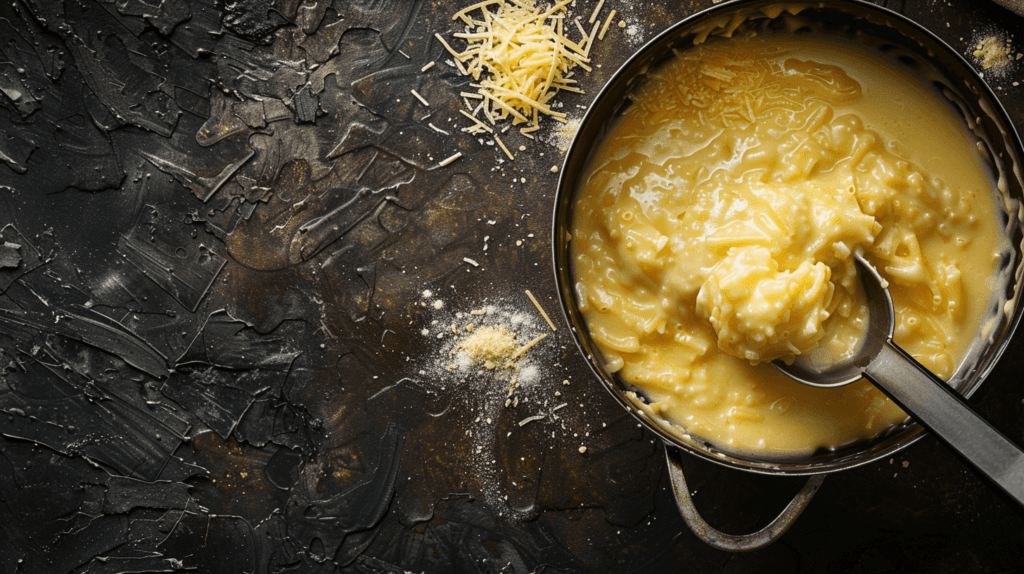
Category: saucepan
[898,39]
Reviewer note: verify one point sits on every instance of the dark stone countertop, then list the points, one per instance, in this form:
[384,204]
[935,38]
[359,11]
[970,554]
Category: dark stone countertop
[219,220]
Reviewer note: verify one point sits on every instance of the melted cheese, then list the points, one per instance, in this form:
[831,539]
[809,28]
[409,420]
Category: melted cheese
[716,228]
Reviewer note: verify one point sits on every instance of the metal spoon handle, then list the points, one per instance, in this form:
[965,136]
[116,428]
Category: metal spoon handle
[939,409]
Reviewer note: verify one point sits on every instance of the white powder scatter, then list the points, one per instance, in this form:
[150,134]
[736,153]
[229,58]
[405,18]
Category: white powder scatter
[483,363]
[438,304]
[519,318]
[634,33]
[428,294]
[529,375]
[562,135]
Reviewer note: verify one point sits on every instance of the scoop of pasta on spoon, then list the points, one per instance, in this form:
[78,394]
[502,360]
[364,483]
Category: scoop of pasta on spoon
[922,395]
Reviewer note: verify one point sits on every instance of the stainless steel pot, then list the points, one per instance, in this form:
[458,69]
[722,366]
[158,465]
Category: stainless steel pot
[894,37]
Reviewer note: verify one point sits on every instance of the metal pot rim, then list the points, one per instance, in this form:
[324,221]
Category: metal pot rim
[596,120]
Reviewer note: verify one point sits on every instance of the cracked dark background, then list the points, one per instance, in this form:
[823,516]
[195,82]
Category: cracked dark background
[218,218]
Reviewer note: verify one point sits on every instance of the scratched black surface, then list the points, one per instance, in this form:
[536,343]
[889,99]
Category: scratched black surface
[217,218]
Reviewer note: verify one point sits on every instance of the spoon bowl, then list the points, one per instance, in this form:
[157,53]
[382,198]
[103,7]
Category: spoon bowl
[921,394]
[819,369]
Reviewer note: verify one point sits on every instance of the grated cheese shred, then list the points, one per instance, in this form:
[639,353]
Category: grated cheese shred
[449,160]
[504,149]
[420,98]
[536,304]
[519,59]
[477,126]
[529,345]
[608,22]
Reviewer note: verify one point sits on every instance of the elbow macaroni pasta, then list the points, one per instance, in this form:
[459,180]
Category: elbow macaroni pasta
[716,228]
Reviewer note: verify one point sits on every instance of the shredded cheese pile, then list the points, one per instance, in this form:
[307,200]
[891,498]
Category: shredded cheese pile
[520,58]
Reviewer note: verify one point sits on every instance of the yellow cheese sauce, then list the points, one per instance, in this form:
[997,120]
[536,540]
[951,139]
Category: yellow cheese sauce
[715,230]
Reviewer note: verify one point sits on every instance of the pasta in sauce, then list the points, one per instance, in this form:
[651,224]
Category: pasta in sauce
[716,227]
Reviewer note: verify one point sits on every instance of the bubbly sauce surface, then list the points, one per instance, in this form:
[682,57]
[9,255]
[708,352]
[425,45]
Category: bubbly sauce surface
[716,227]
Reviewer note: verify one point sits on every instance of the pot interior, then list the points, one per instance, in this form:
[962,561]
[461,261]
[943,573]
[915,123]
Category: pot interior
[893,37]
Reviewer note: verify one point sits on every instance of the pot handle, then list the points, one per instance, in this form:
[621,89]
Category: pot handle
[732,542]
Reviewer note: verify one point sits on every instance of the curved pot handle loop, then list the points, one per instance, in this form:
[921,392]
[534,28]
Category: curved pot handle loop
[731,542]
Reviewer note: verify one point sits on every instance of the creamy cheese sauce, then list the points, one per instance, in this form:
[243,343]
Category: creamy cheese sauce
[716,227]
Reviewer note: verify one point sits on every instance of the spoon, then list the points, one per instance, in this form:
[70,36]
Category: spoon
[925,397]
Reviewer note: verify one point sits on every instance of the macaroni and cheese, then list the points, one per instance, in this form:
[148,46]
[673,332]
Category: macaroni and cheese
[716,227]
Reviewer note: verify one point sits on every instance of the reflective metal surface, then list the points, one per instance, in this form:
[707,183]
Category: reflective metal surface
[892,36]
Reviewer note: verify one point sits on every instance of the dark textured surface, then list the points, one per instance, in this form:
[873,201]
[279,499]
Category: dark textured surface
[218,218]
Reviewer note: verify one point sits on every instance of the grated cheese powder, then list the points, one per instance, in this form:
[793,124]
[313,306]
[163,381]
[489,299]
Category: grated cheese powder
[993,52]
[494,346]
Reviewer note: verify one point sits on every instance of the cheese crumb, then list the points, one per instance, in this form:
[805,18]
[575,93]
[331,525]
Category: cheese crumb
[993,52]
